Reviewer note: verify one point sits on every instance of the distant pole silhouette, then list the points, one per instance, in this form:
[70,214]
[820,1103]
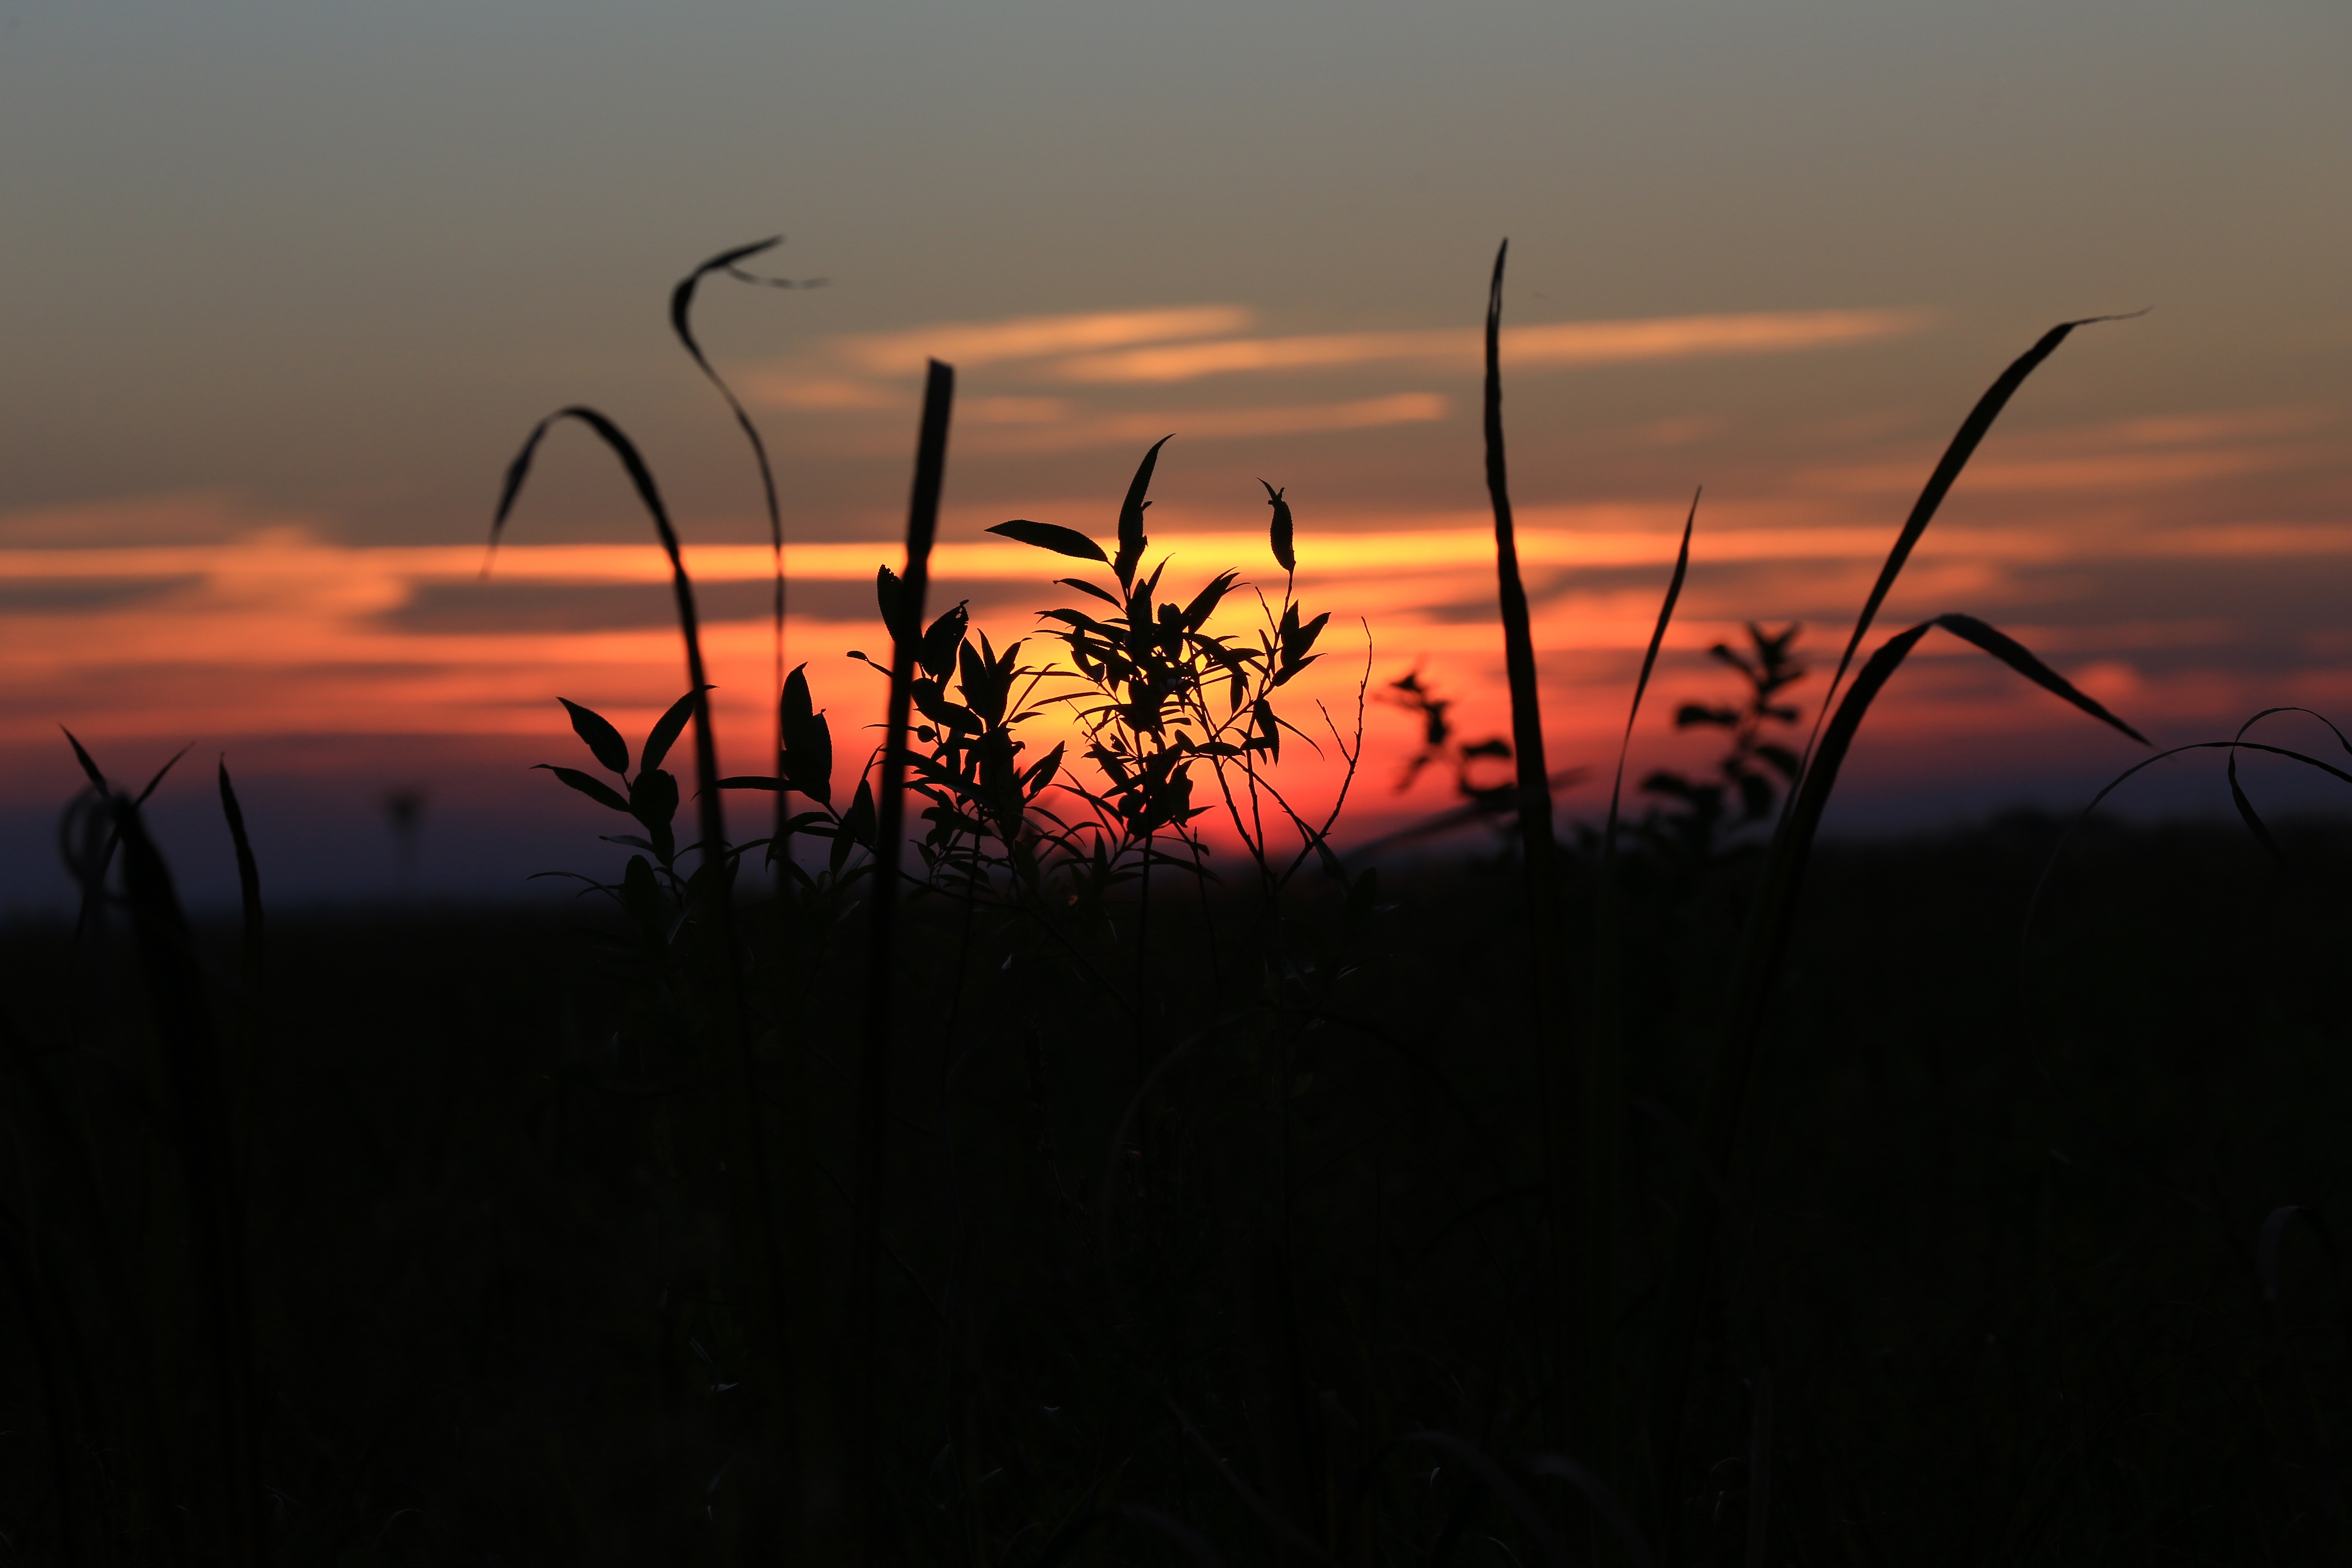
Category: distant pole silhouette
[404,808]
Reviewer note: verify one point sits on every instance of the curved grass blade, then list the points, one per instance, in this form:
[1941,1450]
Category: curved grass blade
[1604,1085]
[706,753]
[201,1134]
[151,783]
[2245,804]
[89,769]
[248,880]
[2019,658]
[681,323]
[759,1266]
[1053,536]
[1957,453]
[1731,1073]
[2041,883]
[730,262]
[1768,922]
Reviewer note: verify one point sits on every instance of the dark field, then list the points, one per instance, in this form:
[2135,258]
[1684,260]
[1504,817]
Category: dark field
[2008,1277]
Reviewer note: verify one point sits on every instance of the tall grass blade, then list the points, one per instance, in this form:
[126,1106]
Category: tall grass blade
[252,970]
[21,1272]
[1518,638]
[750,1223]
[1957,453]
[1560,1078]
[1604,1089]
[1649,664]
[249,880]
[882,978]
[681,323]
[214,1208]
[1731,1074]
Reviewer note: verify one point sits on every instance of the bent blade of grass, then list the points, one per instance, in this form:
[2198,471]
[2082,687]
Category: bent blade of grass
[1957,453]
[706,753]
[874,1061]
[2058,850]
[248,889]
[2239,798]
[681,323]
[200,1134]
[1731,1072]
[750,1223]
[1604,1090]
[248,878]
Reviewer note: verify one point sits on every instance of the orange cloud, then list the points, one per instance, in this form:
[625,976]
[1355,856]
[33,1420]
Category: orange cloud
[1558,343]
[968,343]
[1217,424]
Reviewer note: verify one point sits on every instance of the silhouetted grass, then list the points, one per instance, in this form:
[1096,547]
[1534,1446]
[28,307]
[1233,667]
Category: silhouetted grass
[1307,1217]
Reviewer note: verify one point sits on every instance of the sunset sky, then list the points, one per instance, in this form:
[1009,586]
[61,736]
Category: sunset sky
[288,284]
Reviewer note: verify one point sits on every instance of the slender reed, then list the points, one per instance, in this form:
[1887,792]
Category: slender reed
[874,1060]
[758,1268]
[1559,1076]
[1732,1069]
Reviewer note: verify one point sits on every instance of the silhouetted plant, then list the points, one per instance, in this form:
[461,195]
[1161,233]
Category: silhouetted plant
[1751,775]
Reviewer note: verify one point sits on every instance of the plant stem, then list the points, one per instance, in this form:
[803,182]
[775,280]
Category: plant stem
[874,1061]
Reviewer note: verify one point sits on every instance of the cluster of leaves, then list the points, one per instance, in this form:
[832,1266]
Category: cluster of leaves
[1176,720]
[1749,779]
[657,894]
[1158,694]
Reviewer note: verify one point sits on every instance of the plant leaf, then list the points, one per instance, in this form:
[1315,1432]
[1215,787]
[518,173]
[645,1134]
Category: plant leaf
[666,732]
[1956,456]
[595,788]
[1052,536]
[1131,537]
[937,653]
[653,798]
[1204,602]
[2015,655]
[1282,528]
[603,742]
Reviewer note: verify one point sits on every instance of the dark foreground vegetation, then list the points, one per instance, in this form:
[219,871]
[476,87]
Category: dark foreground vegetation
[2013,1285]
[975,1164]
